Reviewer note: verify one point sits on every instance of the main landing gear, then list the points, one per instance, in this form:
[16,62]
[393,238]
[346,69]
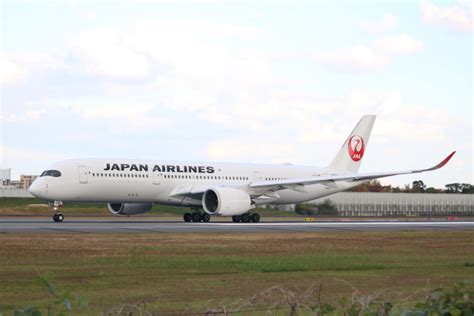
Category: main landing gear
[246,218]
[196,217]
[58,217]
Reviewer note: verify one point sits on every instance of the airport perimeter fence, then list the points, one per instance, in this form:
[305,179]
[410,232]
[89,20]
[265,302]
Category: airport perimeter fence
[401,204]
[15,193]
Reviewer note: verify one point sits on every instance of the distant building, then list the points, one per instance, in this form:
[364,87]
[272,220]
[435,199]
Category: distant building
[26,181]
[14,184]
[5,177]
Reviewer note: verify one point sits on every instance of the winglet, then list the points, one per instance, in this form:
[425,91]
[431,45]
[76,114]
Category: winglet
[442,163]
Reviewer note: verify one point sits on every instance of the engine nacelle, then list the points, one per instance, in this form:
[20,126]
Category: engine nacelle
[226,201]
[129,208]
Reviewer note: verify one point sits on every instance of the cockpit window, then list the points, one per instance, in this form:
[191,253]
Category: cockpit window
[51,173]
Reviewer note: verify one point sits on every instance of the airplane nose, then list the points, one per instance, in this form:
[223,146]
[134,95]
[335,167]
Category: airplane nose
[36,189]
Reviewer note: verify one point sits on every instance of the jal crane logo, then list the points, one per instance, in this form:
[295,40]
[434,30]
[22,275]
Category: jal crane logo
[356,147]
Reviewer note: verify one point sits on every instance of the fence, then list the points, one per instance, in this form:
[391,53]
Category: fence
[22,193]
[396,204]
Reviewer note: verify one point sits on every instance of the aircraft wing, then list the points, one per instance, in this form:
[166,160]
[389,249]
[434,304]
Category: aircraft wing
[329,180]
[258,187]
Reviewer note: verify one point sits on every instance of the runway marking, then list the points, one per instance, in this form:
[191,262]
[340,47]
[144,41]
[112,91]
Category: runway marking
[65,230]
[151,229]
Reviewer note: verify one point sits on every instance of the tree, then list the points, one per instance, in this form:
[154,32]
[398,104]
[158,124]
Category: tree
[418,186]
[372,186]
[432,190]
[453,188]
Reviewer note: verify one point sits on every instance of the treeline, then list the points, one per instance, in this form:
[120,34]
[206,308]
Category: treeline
[417,186]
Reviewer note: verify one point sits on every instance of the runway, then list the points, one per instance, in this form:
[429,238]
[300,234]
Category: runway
[74,225]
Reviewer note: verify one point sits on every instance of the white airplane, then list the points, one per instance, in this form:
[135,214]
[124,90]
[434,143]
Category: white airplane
[228,189]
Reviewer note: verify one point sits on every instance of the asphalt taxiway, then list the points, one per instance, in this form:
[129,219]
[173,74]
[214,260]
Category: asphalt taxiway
[77,225]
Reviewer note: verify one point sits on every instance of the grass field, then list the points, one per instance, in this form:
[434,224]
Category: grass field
[33,206]
[199,272]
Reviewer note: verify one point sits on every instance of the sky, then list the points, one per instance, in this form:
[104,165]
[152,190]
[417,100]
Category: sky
[239,81]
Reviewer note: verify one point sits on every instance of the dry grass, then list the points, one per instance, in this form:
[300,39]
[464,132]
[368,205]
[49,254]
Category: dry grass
[190,271]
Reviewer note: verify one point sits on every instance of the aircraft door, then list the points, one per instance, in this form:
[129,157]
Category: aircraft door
[256,175]
[83,176]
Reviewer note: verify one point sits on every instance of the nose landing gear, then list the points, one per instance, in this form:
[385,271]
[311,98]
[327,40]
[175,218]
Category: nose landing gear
[58,217]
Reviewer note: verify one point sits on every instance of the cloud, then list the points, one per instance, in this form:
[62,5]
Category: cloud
[87,15]
[118,115]
[243,149]
[354,59]
[28,116]
[398,45]
[103,52]
[457,17]
[11,71]
[387,23]
[152,48]
[27,155]
[377,55]
[19,68]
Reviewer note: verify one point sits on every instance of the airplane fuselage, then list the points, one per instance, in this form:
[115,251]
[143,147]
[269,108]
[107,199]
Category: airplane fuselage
[135,181]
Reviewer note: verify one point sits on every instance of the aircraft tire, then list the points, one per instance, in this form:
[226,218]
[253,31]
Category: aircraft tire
[206,217]
[196,217]
[245,218]
[59,217]
[255,217]
[55,217]
[187,217]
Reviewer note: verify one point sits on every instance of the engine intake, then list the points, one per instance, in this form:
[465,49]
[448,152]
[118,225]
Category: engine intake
[226,201]
[129,208]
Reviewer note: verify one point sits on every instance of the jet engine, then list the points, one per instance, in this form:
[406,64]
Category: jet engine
[129,208]
[226,201]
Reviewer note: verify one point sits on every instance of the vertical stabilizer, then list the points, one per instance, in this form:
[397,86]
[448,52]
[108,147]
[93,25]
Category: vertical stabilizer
[352,151]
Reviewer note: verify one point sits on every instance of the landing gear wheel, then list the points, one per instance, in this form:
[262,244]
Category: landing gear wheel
[206,217]
[187,217]
[196,217]
[58,217]
[255,218]
[235,219]
[245,218]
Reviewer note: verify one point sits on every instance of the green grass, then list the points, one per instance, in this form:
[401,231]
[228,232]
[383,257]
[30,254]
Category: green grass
[32,206]
[192,265]
[176,272]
